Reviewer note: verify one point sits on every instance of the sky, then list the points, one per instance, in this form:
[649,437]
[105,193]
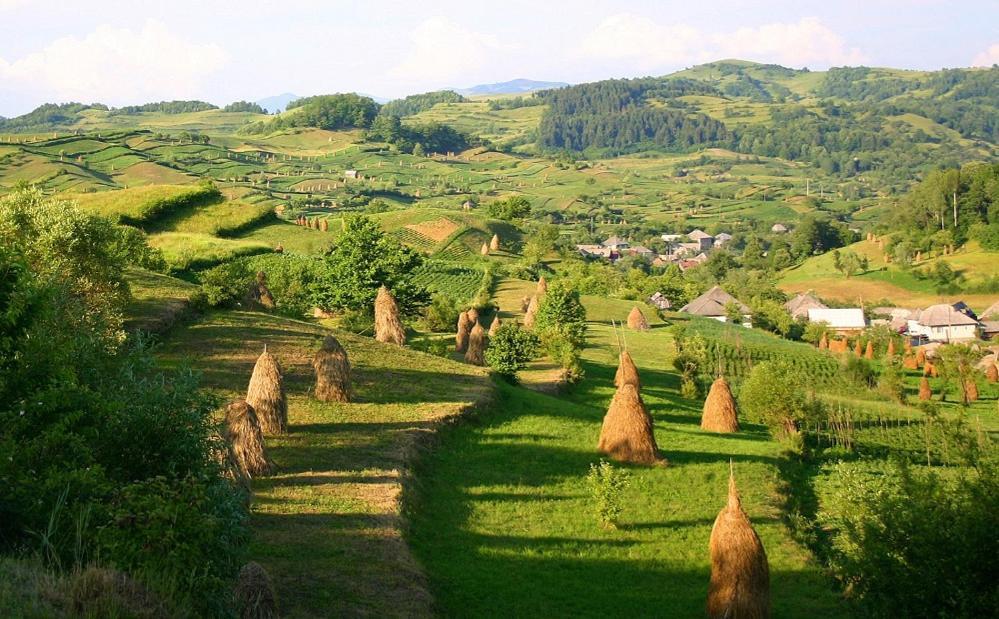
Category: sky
[123,52]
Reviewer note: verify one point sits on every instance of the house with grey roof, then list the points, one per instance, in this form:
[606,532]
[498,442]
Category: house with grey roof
[715,303]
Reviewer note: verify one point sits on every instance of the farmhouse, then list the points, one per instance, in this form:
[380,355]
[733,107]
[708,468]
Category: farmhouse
[721,238]
[778,228]
[802,302]
[660,301]
[992,313]
[616,243]
[842,320]
[703,240]
[713,303]
[943,323]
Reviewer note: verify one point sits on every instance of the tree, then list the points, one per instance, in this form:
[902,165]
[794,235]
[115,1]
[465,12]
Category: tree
[509,350]
[957,364]
[561,325]
[849,263]
[514,207]
[774,393]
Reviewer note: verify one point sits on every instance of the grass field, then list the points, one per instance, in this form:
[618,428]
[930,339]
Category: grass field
[185,251]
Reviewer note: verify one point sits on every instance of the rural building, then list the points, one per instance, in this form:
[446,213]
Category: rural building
[350,173]
[992,313]
[990,329]
[672,238]
[802,302]
[616,243]
[778,228]
[840,320]
[660,301]
[942,323]
[721,238]
[703,240]
[896,318]
[597,251]
[641,252]
[712,304]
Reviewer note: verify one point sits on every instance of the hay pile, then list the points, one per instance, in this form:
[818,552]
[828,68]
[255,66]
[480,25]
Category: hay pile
[970,390]
[992,373]
[461,336]
[869,352]
[531,313]
[542,287]
[388,326]
[266,395]
[627,371]
[254,593]
[332,368]
[473,315]
[485,249]
[493,328]
[720,413]
[246,440]
[930,370]
[494,244]
[857,351]
[626,434]
[100,592]
[476,346]
[907,346]
[924,389]
[921,357]
[891,348]
[740,574]
[824,342]
[637,321]
[524,303]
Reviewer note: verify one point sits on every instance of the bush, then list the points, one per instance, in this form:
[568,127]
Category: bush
[606,486]
[441,316]
[510,349]
[774,393]
[514,207]
[860,372]
[561,325]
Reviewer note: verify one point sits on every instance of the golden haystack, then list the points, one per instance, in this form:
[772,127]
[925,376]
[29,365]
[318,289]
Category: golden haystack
[254,593]
[869,352]
[891,347]
[332,368]
[924,389]
[627,371]
[266,395]
[476,346]
[324,225]
[909,362]
[493,328]
[485,249]
[719,409]
[279,249]
[970,390]
[494,244]
[461,336]
[920,357]
[857,350]
[473,315]
[907,346]
[636,320]
[388,327]
[542,287]
[992,373]
[524,303]
[242,432]
[531,313]
[626,434]
[823,342]
[930,370]
[740,574]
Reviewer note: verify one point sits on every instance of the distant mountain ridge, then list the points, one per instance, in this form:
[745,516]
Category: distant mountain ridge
[277,103]
[515,86]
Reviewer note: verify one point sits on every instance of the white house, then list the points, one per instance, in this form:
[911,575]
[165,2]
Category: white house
[943,323]
[840,320]
[616,243]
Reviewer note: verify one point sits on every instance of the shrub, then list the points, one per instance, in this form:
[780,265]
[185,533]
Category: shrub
[860,372]
[441,315]
[509,350]
[607,483]
[774,393]
[561,325]
[892,380]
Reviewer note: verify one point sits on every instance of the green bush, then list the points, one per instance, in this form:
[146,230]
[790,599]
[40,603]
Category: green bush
[441,316]
[561,325]
[509,350]
[606,486]
[775,393]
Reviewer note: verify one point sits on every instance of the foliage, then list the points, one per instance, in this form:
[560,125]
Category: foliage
[166,107]
[607,484]
[948,205]
[514,207]
[332,112]
[849,263]
[510,349]
[891,383]
[414,104]
[48,115]
[292,280]
[775,393]
[561,325]
[244,106]
[957,365]
[433,137]
[441,315]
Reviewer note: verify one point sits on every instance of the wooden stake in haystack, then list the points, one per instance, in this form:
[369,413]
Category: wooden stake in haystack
[626,434]
[332,368]
[476,346]
[531,313]
[494,244]
[493,328]
[720,412]
[740,574]
[242,432]
[266,395]
[461,336]
[636,320]
[869,352]
[924,389]
[254,593]
[388,326]
[542,287]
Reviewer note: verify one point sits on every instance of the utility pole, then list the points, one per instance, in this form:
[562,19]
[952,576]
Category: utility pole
[955,208]
[806,187]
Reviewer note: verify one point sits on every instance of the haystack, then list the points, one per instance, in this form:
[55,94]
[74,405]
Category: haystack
[909,362]
[637,321]
[921,357]
[857,350]
[627,371]
[531,313]
[242,432]
[259,294]
[907,346]
[627,434]
[476,346]
[992,373]
[279,249]
[542,287]
[493,328]
[740,574]
[891,348]
[924,389]
[332,368]
[869,352]
[324,225]
[485,249]
[461,336]
[254,593]
[719,409]
[970,390]
[823,342]
[473,315]
[494,244]
[524,303]
[388,327]
[930,370]
[266,395]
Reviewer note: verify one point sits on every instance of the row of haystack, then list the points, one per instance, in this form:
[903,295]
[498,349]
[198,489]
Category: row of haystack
[471,338]
[491,246]
[842,345]
[530,305]
[740,573]
[316,223]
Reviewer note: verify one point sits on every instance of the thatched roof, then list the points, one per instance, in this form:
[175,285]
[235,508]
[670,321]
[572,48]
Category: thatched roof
[712,303]
[802,302]
[943,315]
[992,312]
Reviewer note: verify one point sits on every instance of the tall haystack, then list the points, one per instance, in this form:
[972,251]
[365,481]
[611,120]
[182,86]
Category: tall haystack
[627,433]
[473,315]
[461,336]
[907,346]
[909,362]
[857,350]
[525,302]
[476,346]
[920,357]
[636,320]
[930,370]
[324,225]
[332,368]
[266,395]
[494,244]
[740,574]
[388,327]
[627,371]
[485,249]
[823,342]
[924,389]
[891,347]
[531,313]
[254,593]
[542,287]
[970,390]
[992,373]
[719,409]
[246,440]
[493,328]
[869,352]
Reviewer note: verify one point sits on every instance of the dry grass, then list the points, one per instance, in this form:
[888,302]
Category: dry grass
[720,414]
[388,326]
[332,368]
[437,230]
[266,395]
[254,593]
[627,371]
[626,434]
[246,440]
[461,336]
[476,346]
[637,321]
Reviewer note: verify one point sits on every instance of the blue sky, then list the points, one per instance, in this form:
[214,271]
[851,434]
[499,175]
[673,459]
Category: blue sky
[127,52]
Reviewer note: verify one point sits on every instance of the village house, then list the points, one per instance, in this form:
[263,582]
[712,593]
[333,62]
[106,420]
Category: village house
[721,238]
[778,228]
[660,301]
[942,323]
[714,304]
[802,302]
[616,243]
[841,320]
[704,240]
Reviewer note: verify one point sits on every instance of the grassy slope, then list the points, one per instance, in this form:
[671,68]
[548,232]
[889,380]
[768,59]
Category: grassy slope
[327,526]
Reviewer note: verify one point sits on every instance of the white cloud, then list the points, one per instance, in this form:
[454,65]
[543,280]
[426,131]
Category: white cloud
[116,65]
[988,57]
[443,50]
[649,44]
